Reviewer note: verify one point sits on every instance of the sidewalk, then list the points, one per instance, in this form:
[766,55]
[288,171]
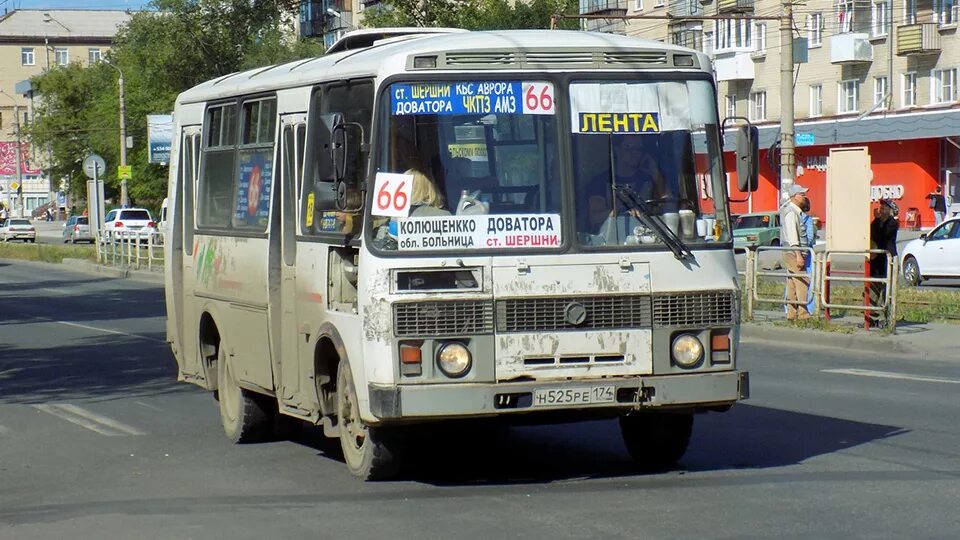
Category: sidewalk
[928,340]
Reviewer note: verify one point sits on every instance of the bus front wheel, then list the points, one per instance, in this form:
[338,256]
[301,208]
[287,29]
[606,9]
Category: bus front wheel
[242,412]
[656,441]
[368,451]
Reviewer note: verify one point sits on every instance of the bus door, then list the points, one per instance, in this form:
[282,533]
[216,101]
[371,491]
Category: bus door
[182,256]
[284,320]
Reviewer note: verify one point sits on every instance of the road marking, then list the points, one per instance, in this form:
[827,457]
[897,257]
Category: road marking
[55,291]
[89,420]
[891,375]
[147,405]
[108,331]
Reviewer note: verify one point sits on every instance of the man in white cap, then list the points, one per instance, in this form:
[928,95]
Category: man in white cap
[791,236]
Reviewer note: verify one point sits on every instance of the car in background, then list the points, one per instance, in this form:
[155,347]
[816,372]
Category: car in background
[17,229]
[77,229]
[756,229]
[933,255]
[123,223]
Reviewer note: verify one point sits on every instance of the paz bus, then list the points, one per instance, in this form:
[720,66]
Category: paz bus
[453,225]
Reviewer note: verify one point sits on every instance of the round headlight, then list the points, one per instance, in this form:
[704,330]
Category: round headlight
[454,359]
[687,350]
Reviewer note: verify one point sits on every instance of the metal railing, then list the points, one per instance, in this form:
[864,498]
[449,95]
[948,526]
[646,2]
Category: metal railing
[820,279]
[889,281]
[786,275]
[131,249]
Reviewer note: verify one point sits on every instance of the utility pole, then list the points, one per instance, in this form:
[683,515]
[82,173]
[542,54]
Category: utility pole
[124,198]
[16,117]
[788,166]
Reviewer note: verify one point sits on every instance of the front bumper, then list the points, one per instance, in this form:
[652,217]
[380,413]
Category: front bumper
[436,401]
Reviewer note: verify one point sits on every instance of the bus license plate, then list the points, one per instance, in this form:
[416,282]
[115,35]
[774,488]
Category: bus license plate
[548,397]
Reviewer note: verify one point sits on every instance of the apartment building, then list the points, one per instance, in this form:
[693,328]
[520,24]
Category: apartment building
[31,42]
[329,20]
[878,73]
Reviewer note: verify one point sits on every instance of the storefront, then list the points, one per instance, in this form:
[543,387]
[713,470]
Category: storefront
[911,155]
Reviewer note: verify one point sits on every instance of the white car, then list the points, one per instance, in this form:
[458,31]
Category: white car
[123,223]
[933,255]
[17,229]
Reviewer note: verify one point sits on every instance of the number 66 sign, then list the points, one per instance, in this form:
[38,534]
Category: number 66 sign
[391,194]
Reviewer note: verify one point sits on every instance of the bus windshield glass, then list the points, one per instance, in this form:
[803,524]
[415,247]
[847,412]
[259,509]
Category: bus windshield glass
[474,165]
[468,165]
[656,139]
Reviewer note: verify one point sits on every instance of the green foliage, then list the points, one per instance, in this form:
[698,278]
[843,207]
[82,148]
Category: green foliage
[471,14]
[161,53]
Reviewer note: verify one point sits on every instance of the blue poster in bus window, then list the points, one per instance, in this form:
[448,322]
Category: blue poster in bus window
[253,191]
[447,98]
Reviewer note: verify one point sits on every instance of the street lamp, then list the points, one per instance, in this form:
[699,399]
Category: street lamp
[18,152]
[124,199]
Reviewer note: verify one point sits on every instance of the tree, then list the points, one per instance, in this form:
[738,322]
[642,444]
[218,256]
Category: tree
[161,53]
[471,14]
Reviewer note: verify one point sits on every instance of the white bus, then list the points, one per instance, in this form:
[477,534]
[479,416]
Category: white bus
[456,225]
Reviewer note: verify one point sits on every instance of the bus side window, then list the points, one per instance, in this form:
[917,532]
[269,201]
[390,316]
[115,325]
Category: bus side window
[216,182]
[188,178]
[353,100]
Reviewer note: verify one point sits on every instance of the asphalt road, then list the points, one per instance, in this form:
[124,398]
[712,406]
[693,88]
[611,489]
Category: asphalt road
[98,440]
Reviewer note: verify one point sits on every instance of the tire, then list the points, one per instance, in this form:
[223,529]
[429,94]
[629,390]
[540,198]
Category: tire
[775,243]
[656,441]
[911,271]
[244,414]
[369,452]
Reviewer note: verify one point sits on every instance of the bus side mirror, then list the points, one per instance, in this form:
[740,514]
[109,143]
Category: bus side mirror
[748,158]
[347,156]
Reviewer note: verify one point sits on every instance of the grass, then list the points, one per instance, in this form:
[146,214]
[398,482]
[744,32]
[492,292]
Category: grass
[914,304]
[52,253]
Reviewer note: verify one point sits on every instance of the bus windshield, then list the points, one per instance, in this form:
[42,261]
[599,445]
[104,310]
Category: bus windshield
[467,165]
[641,136]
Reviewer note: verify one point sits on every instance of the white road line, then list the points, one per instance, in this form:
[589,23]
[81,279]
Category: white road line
[89,419]
[891,375]
[147,405]
[109,422]
[108,331]
[82,422]
[58,292]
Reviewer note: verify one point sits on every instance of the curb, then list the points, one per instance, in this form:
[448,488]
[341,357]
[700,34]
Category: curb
[857,342]
[111,271]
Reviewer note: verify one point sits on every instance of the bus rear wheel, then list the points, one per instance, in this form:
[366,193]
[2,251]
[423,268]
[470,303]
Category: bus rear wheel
[243,414]
[656,441]
[369,452]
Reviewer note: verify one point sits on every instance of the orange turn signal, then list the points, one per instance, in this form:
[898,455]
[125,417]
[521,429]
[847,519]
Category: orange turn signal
[410,354]
[720,342]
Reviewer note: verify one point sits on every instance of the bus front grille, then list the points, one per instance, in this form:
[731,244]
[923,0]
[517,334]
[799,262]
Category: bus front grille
[694,309]
[443,318]
[598,313]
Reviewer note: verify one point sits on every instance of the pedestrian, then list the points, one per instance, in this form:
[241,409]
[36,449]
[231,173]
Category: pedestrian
[883,235]
[809,229]
[939,205]
[793,236]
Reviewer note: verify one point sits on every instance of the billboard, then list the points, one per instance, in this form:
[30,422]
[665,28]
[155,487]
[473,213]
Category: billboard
[159,135]
[8,159]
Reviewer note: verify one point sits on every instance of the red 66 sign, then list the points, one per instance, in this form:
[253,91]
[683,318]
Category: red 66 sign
[538,98]
[391,194]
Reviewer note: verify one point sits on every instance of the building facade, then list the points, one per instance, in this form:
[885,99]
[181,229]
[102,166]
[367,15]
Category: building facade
[31,42]
[878,73]
[329,20]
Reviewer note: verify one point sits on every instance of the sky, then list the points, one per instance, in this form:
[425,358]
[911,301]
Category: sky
[73,4]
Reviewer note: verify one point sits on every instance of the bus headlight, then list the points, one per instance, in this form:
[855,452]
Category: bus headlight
[454,359]
[687,350]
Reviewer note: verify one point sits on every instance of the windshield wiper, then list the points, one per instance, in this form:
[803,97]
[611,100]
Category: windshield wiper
[632,201]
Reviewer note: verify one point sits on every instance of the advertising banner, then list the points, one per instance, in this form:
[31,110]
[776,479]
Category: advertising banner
[253,193]
[159,136]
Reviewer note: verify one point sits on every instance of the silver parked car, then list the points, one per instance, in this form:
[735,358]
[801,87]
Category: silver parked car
[77,229]
[17,229]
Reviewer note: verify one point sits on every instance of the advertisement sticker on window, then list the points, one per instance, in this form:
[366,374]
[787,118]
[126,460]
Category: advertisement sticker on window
[253,195]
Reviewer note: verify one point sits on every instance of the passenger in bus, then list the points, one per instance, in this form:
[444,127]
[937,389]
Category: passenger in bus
[425,200]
